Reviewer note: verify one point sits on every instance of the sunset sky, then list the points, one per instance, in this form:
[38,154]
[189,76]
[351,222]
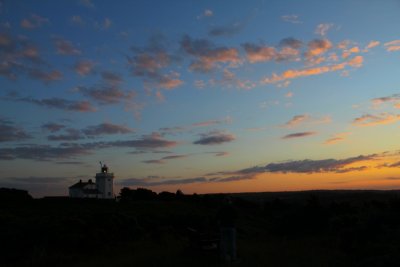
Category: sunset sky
[202,96]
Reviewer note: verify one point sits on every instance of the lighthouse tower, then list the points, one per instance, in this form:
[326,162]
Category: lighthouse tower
[105,182]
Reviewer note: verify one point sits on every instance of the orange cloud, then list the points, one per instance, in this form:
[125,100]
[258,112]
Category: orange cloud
[296,120]
[356,62]
[336,138]
[350,51]
[317,47]
[373,120]
[260,53]
[256,53]
[371,44]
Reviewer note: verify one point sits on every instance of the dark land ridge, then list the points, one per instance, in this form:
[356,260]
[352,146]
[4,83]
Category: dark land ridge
[143,228]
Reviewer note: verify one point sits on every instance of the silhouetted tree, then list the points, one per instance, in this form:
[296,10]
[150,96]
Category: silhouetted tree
[12,194]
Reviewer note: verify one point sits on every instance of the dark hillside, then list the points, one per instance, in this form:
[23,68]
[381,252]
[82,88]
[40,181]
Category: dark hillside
[317,228]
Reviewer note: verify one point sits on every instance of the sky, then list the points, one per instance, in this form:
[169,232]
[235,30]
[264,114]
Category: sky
[201,96]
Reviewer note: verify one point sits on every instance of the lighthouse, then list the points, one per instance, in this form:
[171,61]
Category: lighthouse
[105,182]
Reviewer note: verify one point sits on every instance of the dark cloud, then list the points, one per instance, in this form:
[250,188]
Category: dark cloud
[111,77]
[152,141]
[106,94]
[58,103]
[44,76]
[214,138]
[291,42]
[70,135]
[393,165]
[150,62]
[212,122]
[106,128]
[207,55]
[53,127]
[311,166]
[20,56]
[233,178]
[227,30]
[70,162]
[297,135]
[174,157]
[154,161]
[164,159]
[151,182]
[69,150]
[9,132]
[393,178]
[221,154]
[65,47]
[42,152]
[37,180]
[90,131]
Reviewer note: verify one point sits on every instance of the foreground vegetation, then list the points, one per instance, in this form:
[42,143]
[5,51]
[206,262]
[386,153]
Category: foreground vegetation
[318,228]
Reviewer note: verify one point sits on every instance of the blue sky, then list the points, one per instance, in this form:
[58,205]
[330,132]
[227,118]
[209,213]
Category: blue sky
[210,96]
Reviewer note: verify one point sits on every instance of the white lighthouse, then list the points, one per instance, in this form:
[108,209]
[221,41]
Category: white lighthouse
[105,182]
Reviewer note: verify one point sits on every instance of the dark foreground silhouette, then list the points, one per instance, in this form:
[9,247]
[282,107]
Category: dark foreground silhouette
[314,228]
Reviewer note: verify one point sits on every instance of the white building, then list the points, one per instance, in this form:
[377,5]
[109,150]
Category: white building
[103,188]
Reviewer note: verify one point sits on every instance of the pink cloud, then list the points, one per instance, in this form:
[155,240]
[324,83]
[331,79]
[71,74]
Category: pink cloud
[65,47]
[84,67]
[34,21]
[392,46]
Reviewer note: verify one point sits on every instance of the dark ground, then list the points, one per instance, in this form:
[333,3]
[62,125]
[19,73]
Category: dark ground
[313,228]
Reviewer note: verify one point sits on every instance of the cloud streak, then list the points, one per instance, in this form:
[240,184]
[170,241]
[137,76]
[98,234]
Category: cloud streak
[298,135]
[214,138]
[58,103]
[9,132]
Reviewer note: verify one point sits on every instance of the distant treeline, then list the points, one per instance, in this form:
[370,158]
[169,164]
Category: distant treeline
[14,194]
[128,194]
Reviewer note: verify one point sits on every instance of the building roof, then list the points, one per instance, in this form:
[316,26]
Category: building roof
[81,184]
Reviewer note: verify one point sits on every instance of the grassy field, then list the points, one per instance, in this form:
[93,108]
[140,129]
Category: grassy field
[320,228]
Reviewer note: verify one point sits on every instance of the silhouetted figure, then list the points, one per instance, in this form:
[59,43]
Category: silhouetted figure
[227,218]
[104,168]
